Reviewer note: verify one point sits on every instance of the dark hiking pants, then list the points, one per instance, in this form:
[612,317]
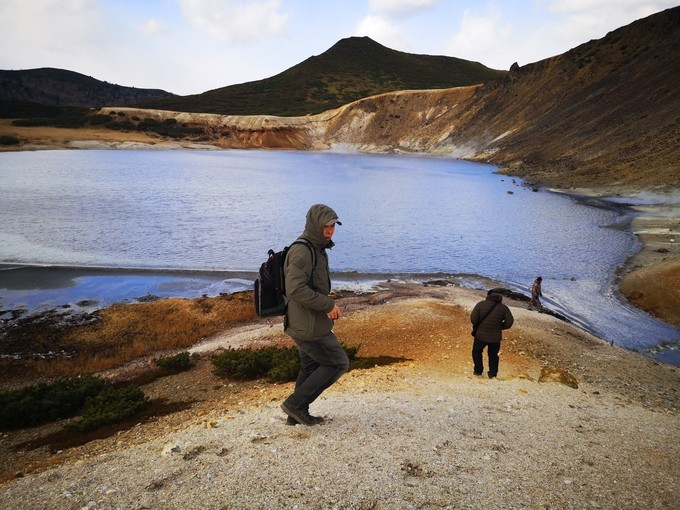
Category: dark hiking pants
[322,363]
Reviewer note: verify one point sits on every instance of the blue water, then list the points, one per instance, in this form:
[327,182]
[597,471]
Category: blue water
[220,211]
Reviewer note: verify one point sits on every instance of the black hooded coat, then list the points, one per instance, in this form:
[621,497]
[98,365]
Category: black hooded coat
[490,330]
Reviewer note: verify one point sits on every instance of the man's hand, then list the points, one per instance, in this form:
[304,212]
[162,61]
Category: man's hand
[335,313]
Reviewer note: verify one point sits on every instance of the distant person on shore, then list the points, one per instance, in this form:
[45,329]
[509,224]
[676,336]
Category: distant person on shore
[489,318]
[535,295]
[310,316]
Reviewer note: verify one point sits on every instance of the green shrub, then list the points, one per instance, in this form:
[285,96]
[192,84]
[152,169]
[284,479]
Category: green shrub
[69,119]
[126,125]
[32,122]
[277,364]
[351,352]
[9,140]
[285,365]
[243,363]
[45,402]
[110,406]
[98,119]
[175,364]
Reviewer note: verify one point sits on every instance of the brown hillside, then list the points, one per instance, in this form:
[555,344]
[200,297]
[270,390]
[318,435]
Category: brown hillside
[607,110]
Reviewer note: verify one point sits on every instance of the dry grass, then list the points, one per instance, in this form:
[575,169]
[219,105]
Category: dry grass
[129,331]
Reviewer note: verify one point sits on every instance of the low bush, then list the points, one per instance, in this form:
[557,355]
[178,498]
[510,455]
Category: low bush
[243,363]
[68,118]
[277,364]
[98,119]
[175,364]
[45,402]
[9,140]
[97,399]
[11,109]
[285,365]
[112,405]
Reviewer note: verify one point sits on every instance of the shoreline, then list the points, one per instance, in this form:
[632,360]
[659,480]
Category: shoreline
[656,226]
[633,281]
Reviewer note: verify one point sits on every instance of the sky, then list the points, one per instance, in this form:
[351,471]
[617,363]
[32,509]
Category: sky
[192,46]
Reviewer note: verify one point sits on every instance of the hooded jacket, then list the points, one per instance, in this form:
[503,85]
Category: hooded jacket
[500,318]
[306,315]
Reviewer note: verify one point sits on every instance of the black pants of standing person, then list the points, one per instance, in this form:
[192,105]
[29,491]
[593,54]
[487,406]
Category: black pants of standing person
[492,351]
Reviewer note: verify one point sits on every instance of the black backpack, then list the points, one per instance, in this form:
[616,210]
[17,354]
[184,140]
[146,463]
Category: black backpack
[270,287]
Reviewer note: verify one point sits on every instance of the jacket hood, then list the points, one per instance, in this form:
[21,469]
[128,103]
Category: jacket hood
[318,217]
[495,297]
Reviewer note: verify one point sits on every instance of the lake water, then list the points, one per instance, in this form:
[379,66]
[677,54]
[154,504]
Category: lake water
[201,222]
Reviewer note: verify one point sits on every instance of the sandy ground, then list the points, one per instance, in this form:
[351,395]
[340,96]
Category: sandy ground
[415,431]
[653,280]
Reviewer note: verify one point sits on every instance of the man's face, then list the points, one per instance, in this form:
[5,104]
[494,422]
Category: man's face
[328,232]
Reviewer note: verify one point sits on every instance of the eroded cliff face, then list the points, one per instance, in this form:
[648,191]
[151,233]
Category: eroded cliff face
[404,121]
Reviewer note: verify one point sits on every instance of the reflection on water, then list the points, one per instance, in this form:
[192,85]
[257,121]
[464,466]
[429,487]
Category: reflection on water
[222,211]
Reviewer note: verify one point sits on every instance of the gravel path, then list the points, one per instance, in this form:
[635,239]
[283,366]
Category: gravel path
[429,443]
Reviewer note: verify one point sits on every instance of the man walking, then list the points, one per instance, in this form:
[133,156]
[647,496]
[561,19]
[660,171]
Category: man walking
[489,318]
[310,315]
[536,293]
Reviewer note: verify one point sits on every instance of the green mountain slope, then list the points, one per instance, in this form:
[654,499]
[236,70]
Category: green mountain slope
[353,68]
[58,87]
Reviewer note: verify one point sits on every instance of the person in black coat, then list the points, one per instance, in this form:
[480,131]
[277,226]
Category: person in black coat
[489,318]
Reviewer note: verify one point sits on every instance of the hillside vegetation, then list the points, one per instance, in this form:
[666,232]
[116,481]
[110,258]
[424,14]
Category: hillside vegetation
[352,69]
[58,87]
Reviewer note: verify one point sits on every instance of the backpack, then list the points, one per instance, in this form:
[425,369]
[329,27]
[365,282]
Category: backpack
[270,287]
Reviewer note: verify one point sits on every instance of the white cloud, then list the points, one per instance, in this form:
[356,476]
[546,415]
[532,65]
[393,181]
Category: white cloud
[399,7]
[591,19]
[45,27]
[497,37]
[480,35]
[593,6]
[153,27]
[380,29]
[388,20]
[236,21]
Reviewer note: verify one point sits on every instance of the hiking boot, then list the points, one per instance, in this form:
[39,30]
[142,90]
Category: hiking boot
[292,421]
[298,415]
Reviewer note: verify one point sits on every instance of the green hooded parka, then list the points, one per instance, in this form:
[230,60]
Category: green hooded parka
[306,316]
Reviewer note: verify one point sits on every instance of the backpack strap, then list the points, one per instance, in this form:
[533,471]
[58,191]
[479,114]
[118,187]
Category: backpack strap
[308,244]
[479,323]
